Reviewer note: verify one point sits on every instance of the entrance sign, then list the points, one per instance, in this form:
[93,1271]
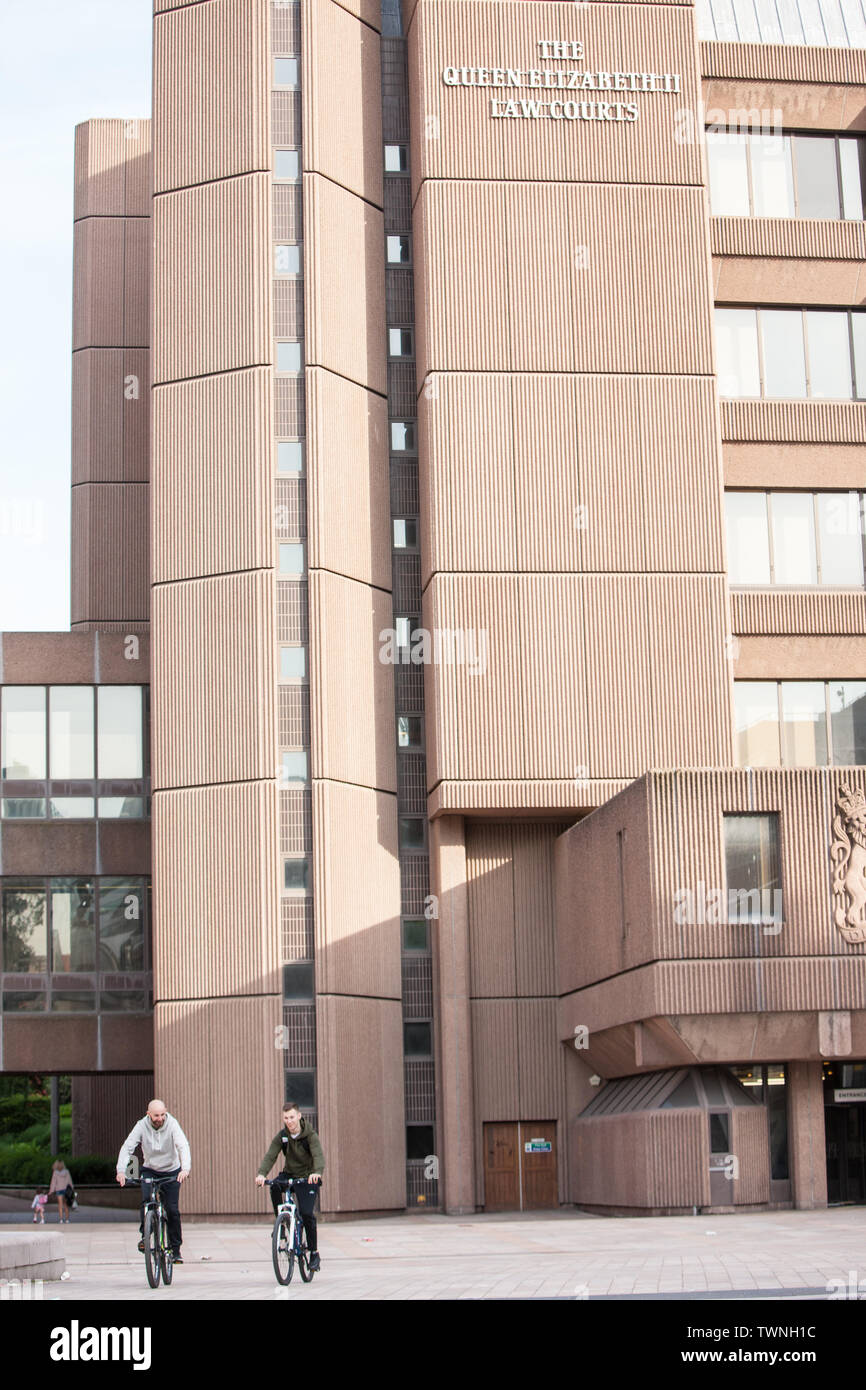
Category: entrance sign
[856,1093]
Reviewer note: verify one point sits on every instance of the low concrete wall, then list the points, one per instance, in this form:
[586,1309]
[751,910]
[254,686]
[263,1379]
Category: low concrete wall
[36,1256]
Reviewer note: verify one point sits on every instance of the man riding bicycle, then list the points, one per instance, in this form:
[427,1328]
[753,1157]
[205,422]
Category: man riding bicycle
[166,1155]
[303,1158]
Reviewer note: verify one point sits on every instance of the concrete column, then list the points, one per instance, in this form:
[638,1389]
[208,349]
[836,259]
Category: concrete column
[451,968]
[807,1149]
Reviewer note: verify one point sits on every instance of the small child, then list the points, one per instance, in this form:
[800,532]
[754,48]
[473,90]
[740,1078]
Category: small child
[38,1205]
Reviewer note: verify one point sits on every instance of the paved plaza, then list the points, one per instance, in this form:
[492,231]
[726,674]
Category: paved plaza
[539,1255]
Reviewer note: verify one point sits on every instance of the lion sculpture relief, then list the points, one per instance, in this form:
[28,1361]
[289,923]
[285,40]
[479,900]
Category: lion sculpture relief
[848,854]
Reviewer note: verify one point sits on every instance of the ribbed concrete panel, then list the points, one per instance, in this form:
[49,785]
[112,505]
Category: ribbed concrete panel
[552,695]
[540,1077]
[113,171]
[360,1072]
[548,506]
[504,797]
[788,237]
[213,704]
[490,884]
[809,422]
[534,934]
[347,486]
[206,1054]
[137,252]
[693,718]
[647,1159]
[212,438]
[97,284]
[111,415]
[784,62]
[345,284]
[110,553]
[212,279]
[356,876]
[370,11]
[679,1159]
[773,612]
[224,940]
[494,1049]
[472,144]
[349,153]
[478,320]
[620,693]
[351,689]
[212,96]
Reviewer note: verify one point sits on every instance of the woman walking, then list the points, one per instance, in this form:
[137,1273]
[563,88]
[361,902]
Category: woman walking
[61,1186]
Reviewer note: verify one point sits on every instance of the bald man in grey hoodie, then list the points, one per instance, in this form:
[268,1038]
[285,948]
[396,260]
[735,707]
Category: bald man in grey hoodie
[166,1155]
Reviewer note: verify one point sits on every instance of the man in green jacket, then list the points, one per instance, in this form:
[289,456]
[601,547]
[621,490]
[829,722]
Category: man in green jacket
[301,1148]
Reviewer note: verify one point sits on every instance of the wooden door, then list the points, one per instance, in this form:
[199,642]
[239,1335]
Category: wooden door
[501,1167]
[538,1164]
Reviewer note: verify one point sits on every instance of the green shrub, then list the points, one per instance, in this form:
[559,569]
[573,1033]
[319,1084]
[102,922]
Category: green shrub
[27,1164]
[19,1112]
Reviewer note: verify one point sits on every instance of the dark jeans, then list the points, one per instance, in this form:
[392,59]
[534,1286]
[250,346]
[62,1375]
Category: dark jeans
[305,1194]
[170,1193]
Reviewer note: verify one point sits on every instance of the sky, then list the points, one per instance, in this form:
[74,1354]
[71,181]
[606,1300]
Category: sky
[61,62]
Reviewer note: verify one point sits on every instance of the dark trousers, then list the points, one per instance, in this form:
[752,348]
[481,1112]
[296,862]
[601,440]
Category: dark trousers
[305,1194]
[170,1193]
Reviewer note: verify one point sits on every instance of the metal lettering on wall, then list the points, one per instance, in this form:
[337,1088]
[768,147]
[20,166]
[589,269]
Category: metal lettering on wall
[563,79]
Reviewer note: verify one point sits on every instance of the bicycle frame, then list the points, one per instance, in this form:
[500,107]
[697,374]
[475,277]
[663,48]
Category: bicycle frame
[163,1262]
[295,1248]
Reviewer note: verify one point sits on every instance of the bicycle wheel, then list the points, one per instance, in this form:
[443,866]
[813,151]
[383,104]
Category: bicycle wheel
[304,1258]
[166,1259]
[151,1249]
[284,1255]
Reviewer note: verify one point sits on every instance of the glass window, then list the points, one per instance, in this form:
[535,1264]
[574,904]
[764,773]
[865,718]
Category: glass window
[793,526]
[719,1137]
[301,1088]
[70,726]
[398,249]
[840,539]
[852,184]
[396,159]
[748,537]
[756,707]
[729,173]
[287,164]
[23,732]
[400,342]
[411,829]
[71,807]
[287,260]
[298,980]
[784,354]
[25,930]
[26,1002]
[73,925]
[829,355]
[290,456]
[752,868]
[405,533]
[293,663]
[120,752]
[24,808]
[285,72]
[122,907]
[817,176]
[848,722]
[403,436]
[121,808]
[417,1039]
[291,559]
[858,335]
[804,724]
[409,731]
[288,357]
[772,175]
[294,769]
[127,1001]
[295,875]
[737,344]
[419,1141]
[71,1001]
[415,934]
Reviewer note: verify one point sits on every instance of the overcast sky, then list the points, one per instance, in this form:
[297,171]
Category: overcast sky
[61,62]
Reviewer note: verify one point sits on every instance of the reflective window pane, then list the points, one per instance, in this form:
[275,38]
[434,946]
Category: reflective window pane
[294,769]
[817,176]
[25,930]
[25,1002]
[24,808]
[288,357]
[830,374]
[409,731]
[127,1001]
[23,731]
[804,724]
[415,934]
[840,541]
[290,456]
[285,72]
[73,925]
[293,663]
[122,908]
[792,519]
[737,345]
[405,533]
[772,178]
[418,1039]
[121,808]
[287,260]
[729,174]
[852,188]
[119,727]
[858,334]
[848,722]
[298,981]
[70,726]
[784,354]
[71,808]
[748,537]
[291,559]
[73,1002]
[756,713]
[287,164]
[296,875]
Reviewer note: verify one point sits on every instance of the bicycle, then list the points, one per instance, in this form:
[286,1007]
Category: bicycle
[289,1239]
[158,1257]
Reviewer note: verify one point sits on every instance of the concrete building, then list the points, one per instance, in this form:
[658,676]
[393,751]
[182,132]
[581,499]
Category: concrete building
[506,366]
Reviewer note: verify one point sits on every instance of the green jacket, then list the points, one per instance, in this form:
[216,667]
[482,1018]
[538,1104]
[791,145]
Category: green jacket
[303,1155]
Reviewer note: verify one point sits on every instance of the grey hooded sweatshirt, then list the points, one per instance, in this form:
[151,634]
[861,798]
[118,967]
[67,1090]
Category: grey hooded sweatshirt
[164,1148]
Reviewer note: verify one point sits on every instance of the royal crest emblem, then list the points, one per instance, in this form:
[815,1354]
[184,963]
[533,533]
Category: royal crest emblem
[848,854]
